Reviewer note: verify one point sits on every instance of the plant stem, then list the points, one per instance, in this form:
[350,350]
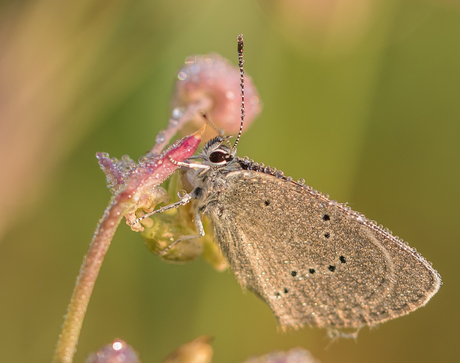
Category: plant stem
[189,114]
[68,339]
[140,183]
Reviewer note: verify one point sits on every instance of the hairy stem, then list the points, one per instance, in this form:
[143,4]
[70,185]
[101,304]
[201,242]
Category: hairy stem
[175,125]
[68,339]
[140,184]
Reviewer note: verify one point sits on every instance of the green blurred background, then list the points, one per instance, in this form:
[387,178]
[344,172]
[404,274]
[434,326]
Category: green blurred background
[360,98]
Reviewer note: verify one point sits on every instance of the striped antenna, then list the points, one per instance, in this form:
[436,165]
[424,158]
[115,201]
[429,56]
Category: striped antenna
[240,65]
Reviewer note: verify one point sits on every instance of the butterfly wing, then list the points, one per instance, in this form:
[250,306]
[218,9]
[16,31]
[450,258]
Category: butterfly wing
[312,260]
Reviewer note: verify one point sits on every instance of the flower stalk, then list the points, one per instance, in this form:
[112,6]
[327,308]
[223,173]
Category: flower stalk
[89,270]
[139,187]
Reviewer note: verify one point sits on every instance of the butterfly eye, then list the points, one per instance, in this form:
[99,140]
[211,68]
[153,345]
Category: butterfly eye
[218,157]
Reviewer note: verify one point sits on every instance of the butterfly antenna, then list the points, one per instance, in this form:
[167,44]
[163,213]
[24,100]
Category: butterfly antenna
[220,132]
[240,65]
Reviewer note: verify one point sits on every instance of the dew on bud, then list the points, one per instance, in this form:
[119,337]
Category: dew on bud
[143,160]
[117,352]
[160,137]
[177,112]
[214,78]
[209,84]
[295,355]
[182,76]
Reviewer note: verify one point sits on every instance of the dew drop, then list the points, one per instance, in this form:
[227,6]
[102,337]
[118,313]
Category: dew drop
[177,112]
[182,76]
[117,345]
[160,137]
[143,159]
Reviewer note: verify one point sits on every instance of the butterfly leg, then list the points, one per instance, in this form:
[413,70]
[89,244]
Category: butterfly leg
[185,199]
[199,227]
[188,164]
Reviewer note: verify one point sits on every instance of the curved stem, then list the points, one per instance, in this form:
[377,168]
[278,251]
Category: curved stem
[146,177]
[68,339]
[203,104]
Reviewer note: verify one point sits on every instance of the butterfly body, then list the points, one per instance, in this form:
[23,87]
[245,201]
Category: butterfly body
[312,260]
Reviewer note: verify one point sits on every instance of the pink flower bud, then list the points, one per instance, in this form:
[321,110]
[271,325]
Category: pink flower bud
[295,355]
[117,352]
[214,82]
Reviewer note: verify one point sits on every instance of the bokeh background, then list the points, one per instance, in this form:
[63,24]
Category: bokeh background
[361,98]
